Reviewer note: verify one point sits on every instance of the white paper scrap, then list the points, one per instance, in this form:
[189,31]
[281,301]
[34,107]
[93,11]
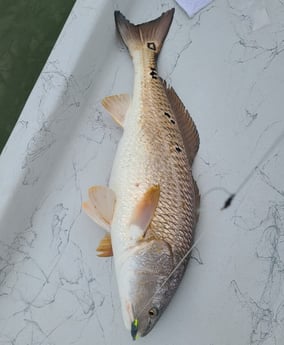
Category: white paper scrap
[191,7]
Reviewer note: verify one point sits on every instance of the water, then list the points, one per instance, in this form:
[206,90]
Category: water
[28,31]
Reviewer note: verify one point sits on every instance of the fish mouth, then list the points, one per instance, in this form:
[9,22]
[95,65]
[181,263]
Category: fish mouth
[134,329]
[137,332]
[128,321]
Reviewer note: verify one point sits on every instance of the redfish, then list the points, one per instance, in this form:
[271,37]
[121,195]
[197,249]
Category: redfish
[150,208]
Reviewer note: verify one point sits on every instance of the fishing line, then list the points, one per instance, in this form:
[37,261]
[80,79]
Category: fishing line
[174,270]
[183,259]
[227,203]
[230,199]
[202,233]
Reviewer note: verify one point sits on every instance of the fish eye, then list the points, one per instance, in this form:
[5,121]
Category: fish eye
[153,312]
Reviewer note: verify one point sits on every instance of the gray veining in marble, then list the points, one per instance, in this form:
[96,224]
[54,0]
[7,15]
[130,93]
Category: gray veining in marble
[229,73]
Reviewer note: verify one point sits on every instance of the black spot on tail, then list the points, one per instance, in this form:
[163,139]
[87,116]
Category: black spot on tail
[151,45]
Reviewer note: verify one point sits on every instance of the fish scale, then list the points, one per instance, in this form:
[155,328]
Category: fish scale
[177,185]
[150,136]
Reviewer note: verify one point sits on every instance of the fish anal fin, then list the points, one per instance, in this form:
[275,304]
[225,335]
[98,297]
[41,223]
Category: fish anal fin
[117,106]
[143,212]
[105,247]
[100,206]
[185,122]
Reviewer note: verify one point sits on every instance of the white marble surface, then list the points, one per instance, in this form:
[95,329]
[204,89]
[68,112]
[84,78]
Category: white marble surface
[53,288]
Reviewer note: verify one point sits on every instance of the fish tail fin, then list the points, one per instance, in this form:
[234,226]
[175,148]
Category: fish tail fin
[150,35]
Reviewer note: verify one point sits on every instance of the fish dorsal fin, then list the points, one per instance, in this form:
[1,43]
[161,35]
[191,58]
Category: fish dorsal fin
[185,122]
[196,200]
[143,212]
[197,195]
[105,247]
[117,106]
[100,206]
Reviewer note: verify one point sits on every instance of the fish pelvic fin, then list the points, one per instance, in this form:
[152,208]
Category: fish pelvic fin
[149,35]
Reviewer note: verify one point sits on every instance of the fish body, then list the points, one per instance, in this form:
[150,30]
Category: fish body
[153,196]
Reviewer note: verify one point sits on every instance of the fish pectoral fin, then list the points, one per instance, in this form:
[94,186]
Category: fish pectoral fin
[185,123]
[143,212]
[117,106]
[105,247]
[100,206]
